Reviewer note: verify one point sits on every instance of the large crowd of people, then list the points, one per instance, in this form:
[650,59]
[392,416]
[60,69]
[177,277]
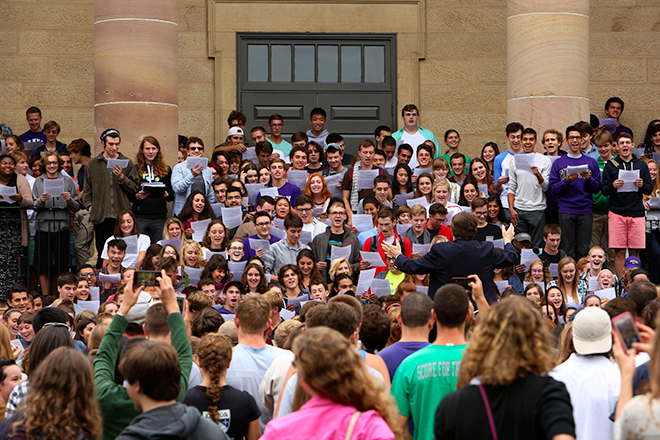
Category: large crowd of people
[273,289]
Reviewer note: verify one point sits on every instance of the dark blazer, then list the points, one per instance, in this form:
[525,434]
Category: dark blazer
[460,258]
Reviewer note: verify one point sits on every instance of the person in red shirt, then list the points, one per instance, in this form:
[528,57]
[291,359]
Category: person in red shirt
[436,222]
[386,232]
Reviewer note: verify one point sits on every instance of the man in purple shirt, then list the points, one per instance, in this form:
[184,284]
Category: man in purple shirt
[262,223]
[574,177]
[278,180]
[416,322]
[35,136]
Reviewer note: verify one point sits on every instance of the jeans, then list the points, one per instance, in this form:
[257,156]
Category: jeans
[533,223]
[575,234]
[153,227]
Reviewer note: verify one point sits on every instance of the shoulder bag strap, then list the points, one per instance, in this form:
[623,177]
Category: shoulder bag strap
[491,422]
[351,425]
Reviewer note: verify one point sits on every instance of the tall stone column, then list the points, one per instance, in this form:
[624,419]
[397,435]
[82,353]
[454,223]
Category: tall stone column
[547,63]
[136,72]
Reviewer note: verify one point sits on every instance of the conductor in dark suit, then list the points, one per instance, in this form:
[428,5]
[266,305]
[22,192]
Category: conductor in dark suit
[460,258]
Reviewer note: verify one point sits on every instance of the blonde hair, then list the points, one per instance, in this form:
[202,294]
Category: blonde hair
[6,351]
[331,366]
[439,239]
[166,233]
[335,265]
[283,331]
[198,250]
[97,335]
[509,343]
[565,347]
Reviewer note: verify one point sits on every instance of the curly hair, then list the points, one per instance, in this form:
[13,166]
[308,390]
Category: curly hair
[511,342]
[62,402]
[214,352]
[546,271]
[329,364]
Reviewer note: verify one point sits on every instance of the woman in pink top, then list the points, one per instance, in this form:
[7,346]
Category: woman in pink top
[344,396]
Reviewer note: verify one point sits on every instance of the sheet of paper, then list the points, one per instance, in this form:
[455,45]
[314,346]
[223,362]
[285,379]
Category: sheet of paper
[228,316]
[191,162]
[298,300]
[110,278]
[373,258]
[278,223]
[94,293]
[423,289]
[638,152]
[553,158]
[123,163]
[501,285]
[251,155]
[217,208]
[608,124]
[287,314]
[421,248]
[366,179]
[277,232]
[380,288]
[609,293]
[339,252]
[332,182]
[483,190]
[199,229]
[317,211]
[193,274]
[363,222]
[253,190]
[554,269]
[654,203]
[6,192]
[364,282]
[232,217]
[306,237]
[527,256]
[297,177]
[54,187]
[272,192]
[628,178]
[208,254]
[92,306]
[131,244]
[259,243]
[498,244]
[420,171]
[524,162]
[401,199]
[236,268]
[579,169]
[593,284]
[400,229]
[656,157]
[418,201]
[176,242]
[505,171]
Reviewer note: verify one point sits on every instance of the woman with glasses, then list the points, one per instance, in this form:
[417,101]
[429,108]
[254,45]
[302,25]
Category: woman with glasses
[236,251]
[54,224]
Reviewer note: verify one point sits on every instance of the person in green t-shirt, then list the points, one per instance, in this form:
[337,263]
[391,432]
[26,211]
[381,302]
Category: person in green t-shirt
[425,377]
[452,139]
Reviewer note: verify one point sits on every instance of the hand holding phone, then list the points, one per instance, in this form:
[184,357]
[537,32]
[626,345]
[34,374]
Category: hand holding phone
[624,325]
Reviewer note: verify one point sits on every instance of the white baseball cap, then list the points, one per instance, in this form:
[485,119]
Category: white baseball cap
[235,130]
[592,331]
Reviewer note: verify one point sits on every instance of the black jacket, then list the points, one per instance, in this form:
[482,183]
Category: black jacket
[460,258]
[154,207]
[627,204]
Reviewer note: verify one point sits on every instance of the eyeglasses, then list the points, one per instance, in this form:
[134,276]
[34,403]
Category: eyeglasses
[572,138]
[196,148]
[338,213]
[236,248]
[304,209]
[88,274]
[264,224]
[480,214]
